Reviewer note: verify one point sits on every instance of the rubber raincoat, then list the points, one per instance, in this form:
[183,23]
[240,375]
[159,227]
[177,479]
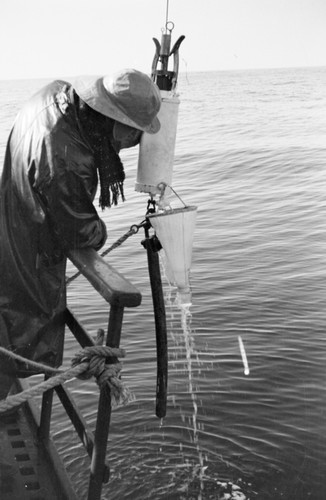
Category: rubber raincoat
[47,189]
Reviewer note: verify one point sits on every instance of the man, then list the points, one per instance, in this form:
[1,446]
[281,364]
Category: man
[63,139]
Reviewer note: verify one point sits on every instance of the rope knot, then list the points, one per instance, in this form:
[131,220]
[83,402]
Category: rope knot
[104,365]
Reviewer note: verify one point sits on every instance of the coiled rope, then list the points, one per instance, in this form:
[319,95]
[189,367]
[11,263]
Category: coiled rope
[99,361]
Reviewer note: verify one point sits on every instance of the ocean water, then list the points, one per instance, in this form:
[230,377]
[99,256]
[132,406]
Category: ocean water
[250,153]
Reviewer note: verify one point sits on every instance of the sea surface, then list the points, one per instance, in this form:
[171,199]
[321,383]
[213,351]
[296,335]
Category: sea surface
[251,154]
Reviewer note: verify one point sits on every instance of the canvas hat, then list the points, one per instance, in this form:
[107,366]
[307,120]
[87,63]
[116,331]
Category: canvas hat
[129,96]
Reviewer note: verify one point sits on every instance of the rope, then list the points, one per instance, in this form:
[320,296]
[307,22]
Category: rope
[133,230]
[39,367]
[99,361]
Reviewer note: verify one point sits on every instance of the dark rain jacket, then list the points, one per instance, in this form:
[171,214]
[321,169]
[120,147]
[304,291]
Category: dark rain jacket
[47,189]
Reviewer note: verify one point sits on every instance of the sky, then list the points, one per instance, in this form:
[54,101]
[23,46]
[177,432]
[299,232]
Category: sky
[66,38]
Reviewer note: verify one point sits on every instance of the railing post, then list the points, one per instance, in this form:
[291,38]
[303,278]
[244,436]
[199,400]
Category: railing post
[104,413]
[114,326]
[46,411]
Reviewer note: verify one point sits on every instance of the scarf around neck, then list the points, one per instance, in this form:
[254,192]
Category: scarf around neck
[111,174]
[96,129]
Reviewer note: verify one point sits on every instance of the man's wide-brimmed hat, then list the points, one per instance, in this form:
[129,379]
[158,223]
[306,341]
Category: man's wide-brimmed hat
[129,96]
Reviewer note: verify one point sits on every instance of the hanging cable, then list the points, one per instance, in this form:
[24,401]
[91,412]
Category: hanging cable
[167,14]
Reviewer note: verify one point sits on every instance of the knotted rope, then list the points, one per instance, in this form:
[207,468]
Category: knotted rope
[99,361]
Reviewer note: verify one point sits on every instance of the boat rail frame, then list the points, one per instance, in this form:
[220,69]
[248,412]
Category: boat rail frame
[119,293]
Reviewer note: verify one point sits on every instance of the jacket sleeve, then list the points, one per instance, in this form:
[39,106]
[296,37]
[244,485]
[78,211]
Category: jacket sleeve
[69,195]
